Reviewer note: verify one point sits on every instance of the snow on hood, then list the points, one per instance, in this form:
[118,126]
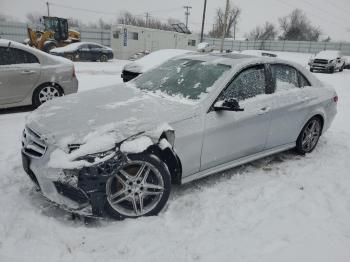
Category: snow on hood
[108,115]
[154,59]
[328,54]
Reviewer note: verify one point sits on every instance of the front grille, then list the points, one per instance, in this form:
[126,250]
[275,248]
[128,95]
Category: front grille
[321,61]
[33,145]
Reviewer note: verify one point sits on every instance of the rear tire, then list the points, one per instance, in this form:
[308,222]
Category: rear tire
[309,136]
[70,57]
[140,187]
[103,58]
[45,93]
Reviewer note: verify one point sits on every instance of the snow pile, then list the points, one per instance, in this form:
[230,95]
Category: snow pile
[153,59]
[328,54]
[280,208]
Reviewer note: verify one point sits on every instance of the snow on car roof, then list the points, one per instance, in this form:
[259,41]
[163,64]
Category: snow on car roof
[153,59]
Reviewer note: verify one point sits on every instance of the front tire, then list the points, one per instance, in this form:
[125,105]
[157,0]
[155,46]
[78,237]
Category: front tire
[309,136]
[140,187]
[45,93]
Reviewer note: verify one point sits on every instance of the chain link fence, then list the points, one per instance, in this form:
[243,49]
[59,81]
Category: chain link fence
[275,45]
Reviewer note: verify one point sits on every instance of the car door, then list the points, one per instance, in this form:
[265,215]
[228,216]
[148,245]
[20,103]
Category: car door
[19,74]
[84,52]
[290,106]
[95,52]
[230,135]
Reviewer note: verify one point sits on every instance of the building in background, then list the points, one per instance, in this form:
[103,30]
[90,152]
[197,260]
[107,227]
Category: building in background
[126,40]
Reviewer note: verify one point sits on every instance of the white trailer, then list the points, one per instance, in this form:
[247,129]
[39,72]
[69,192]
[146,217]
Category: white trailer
[127,40]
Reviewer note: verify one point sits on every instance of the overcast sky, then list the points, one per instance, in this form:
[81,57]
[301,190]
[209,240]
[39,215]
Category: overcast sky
[332,16]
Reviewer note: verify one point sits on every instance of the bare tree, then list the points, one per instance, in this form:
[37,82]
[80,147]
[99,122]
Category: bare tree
[34,17]
[6,18]
[232,21]
[266,32]
[296,26]
[129,19]
[73,22]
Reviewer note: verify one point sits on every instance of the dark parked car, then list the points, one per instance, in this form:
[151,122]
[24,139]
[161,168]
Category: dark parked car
[84,51]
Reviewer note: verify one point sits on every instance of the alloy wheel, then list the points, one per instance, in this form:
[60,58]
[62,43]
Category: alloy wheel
[135,189]
[311,135]
[48,93]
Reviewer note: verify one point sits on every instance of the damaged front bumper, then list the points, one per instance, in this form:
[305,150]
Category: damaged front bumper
[80,191]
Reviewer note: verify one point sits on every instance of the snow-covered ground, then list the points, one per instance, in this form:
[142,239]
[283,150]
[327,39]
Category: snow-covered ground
[281,208]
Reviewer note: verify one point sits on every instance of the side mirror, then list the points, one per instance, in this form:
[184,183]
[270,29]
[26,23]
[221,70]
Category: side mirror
[227,105]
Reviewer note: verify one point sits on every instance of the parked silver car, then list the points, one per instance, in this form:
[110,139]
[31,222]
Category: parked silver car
[31,77]
[116,151]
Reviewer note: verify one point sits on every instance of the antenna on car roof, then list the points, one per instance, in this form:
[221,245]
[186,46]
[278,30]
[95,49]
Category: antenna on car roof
[8,46]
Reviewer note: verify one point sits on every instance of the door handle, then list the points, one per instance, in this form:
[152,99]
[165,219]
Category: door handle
[264,110]
[28,72]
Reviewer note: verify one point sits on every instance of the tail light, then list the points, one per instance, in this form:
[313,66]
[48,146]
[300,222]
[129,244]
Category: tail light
[335,99]
[73,75]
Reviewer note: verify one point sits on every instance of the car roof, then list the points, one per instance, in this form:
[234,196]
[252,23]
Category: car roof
[233,59]
[5,42]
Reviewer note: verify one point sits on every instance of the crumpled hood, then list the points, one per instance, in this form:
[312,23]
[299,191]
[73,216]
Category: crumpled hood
[122,109]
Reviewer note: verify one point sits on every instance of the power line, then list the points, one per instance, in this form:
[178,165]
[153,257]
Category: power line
[187,13]
[147,16]
[310,14]
[323,10]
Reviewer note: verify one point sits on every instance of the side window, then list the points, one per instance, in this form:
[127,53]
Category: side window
[284,77]
[303,81]
[249,83]
[94,47]
[84,48]
[6,56]
[16,56]
[23,57]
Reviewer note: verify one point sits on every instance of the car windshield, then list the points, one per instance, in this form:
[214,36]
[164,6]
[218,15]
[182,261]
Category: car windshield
[186,78]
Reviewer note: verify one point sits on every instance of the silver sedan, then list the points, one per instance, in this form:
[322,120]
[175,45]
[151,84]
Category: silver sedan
[116,151]
[32,77]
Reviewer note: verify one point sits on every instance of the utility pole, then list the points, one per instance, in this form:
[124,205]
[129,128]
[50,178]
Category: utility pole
[48,8]
[187,13]
[203,19]
[224,27]
[147,15]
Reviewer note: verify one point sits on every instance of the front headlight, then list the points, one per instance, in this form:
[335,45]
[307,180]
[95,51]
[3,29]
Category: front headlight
[100,157]
[331,61]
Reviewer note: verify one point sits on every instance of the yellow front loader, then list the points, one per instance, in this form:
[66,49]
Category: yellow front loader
[55,34]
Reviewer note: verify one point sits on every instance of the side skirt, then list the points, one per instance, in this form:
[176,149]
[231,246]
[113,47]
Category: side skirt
[237,162]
